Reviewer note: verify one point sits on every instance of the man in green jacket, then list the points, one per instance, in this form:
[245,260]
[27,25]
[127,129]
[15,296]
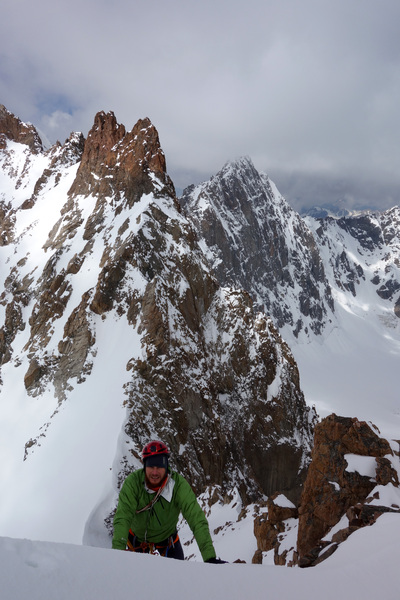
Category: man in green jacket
[150,502]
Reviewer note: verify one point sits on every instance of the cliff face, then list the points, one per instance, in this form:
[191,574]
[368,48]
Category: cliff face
[352,480]
[255,240]
[94,241]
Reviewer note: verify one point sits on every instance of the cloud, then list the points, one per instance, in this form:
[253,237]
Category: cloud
[306,89]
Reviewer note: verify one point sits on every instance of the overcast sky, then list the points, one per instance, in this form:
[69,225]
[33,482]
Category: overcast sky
[309,89]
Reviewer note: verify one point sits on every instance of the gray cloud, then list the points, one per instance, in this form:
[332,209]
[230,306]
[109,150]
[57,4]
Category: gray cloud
[310,90]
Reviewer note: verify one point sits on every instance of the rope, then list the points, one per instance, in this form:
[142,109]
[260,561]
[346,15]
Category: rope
[156,497]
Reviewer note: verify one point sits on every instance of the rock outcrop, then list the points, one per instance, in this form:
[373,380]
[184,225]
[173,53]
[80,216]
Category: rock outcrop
[12,128]
[272,526]
[122,165]
[331,487]
[350,466]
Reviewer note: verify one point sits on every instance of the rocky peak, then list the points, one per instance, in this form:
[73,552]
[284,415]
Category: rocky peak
[256,241]
[104,134]
[14,129]
[121,165]
[68,153]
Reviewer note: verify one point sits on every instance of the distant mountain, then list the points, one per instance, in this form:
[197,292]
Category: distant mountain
[254,240]
[365,253]
[292,267]
[326,210]
[336,210]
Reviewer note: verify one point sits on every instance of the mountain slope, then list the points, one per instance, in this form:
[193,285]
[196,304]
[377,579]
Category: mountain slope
[114,330]
[358,361]
[331,286]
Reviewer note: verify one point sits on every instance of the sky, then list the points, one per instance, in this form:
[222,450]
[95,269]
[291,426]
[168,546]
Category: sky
[309,90]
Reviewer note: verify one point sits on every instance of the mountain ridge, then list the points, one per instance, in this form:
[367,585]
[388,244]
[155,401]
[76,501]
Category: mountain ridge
[269,238]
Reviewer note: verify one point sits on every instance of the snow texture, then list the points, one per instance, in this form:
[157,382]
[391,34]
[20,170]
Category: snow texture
[366,567]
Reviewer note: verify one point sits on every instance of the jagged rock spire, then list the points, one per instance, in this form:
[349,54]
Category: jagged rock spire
[121,164]
[14,129]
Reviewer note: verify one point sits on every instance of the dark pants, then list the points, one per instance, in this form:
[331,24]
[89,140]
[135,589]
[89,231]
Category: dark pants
[175,551]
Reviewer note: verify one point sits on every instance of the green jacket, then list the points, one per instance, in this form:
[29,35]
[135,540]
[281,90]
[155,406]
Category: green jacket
[158,523]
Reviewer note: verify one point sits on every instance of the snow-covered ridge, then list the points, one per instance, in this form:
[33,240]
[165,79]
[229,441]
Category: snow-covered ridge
[332,286]
[37,569]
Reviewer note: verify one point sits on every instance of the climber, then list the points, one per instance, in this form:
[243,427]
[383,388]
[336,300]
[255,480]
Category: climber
[150,502]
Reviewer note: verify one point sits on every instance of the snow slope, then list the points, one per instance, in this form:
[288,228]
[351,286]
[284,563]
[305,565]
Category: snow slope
[366,567]
[352,369]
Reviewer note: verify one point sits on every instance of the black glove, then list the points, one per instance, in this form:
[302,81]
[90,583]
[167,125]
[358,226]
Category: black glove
[216,561]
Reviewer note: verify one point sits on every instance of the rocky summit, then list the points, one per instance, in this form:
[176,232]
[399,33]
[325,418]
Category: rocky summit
[256,241]
[12,128]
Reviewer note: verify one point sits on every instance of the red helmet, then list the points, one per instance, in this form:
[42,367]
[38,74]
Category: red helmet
[154,448]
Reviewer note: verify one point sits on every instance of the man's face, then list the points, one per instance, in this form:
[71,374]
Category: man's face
[155,475]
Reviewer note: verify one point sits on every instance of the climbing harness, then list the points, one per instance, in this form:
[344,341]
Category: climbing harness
[157,548]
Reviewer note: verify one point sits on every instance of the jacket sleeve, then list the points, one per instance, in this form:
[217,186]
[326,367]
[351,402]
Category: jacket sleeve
[197,521]
[127,504]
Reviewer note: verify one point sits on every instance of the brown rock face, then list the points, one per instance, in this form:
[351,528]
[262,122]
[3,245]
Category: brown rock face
[121,165]
[269,527]
[330,493]
[12,128]
[329,490]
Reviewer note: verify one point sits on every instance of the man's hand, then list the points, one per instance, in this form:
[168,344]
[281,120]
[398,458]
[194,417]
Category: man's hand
[216,561]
